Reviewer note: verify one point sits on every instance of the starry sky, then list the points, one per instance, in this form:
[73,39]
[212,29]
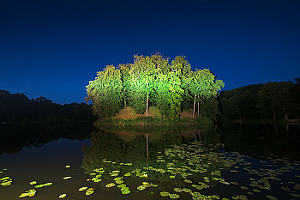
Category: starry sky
[52,48]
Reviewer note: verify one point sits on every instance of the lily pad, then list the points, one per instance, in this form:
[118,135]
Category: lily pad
[174,196]
[125,190]
[110,185]
[127,174]
[119,181]
[141,187]
[295,195]
[187,190]
[29,193]
[33,183]
[121,185]
[256,190]
[62,196]
[164,194]
[271,197]
[43,185]
[82,189]
[89,191]
[128,164]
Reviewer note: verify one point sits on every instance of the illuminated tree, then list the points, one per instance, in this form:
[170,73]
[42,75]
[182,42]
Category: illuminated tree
[152,80]
[203,86]
[124,69]
[142,76]
[106,92]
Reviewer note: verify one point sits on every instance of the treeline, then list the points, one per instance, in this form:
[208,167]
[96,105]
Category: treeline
[171,86]
[19,108]
[273,100]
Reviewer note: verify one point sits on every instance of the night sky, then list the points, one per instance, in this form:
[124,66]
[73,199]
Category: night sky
[52,48]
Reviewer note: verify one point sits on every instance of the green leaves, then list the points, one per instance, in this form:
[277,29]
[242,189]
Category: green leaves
[106,92]
[151,80]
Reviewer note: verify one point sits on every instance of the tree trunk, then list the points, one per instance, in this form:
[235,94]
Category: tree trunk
[124,102]
[147,144]
[241,120]
[147,105]
[274,115]
[194,110]
[286,116]
[198,106]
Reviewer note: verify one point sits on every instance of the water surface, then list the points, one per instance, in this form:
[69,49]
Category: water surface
[248,162]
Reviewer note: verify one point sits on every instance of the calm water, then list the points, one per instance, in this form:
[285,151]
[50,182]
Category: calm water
[248,162]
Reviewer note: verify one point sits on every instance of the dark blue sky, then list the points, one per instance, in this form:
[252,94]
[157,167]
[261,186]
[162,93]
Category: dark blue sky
[52,48]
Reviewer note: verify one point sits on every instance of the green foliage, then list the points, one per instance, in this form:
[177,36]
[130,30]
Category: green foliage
[153,81]
[106,92]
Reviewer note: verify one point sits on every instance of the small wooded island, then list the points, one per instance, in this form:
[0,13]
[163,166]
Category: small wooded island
[154,87]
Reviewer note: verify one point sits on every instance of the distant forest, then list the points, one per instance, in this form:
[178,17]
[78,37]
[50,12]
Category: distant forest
[19,108]
[273,100]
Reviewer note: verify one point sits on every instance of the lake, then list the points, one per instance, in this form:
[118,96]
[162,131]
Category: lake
[84,162]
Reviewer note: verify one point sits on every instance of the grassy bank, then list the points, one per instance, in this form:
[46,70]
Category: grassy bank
[127,118]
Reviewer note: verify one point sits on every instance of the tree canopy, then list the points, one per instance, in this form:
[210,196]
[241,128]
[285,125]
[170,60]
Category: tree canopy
[153,80]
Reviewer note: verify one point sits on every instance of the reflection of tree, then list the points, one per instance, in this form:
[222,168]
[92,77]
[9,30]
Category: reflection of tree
[257,139]
[25,121]
[14,138]
[122,146]
[170,163]
[135,145]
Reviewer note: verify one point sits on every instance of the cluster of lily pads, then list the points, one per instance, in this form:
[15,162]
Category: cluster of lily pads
[261,176]
[195,169]
[191,171]
[184,165]
[118,180]
[33,191]
[5,181]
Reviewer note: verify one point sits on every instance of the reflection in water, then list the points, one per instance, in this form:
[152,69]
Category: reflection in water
[263,140]
[153,163]
[139,145]
[16,137]
[186,163]
[156,159]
